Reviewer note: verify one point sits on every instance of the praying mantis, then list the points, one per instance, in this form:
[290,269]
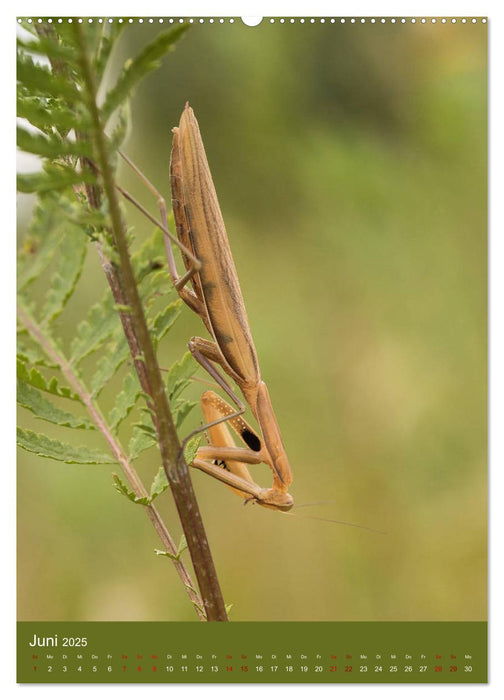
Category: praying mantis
[216,297]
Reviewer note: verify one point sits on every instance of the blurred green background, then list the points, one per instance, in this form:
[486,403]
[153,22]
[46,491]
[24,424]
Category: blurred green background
[350,163]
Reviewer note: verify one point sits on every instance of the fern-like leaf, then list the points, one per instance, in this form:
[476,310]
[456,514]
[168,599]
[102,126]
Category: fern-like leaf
[151,255]
[179,375]
[137,68]
[108,37]
[116,354]
[50,114]
[159,484]
[101,322]
[48,146]
[191,449]
[125,400]
[50,47]
[31,399]
[165,319]
[155,284]
[54,178]
[121,127]
[41,81]
[37,380]
[72,252]
[31,354]
[182,546]
[180,410]
[43,446]
[45,234]
[121,488]
[140,441]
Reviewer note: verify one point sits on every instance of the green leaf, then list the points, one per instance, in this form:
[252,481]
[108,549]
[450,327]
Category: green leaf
[191,449]
[121,488]
[38,80]
[121,127]
[53,178]
[117,353]
[37,380]
[150,256]
[101,322]
[125,400]
[179,375]
[182,546]
[154,284]
[136,69]
[43,446]
[78,212]
[51,146]
[71,256]
[165,319]
[147,428]
[32,399]
[180,410]
[159,484]
[107,40]
[68,34]
[48,114]
[140,442]
[31,354]
[39,247]
[163,553]
[50,47]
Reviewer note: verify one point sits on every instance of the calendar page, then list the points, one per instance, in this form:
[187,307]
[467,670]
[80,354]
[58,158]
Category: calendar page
[252,311]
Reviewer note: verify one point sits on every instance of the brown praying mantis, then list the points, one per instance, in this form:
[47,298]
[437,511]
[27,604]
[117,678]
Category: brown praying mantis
[216,297]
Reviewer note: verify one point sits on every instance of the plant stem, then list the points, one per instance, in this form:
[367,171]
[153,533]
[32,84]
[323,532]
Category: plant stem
[174,465]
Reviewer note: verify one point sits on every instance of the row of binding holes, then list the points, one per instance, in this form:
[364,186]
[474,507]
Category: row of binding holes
[372,20]
[231,20]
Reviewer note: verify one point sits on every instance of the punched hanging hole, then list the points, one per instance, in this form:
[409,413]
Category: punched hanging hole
[251,21]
